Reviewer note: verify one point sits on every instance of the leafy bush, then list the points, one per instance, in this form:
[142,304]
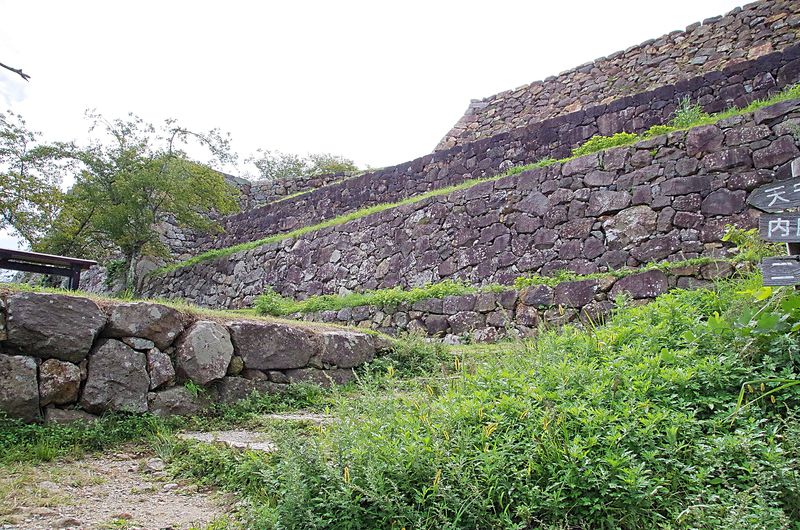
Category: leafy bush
[689,114]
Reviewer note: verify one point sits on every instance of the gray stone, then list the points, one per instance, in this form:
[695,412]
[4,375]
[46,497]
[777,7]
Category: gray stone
[272,345]
[778,152]
[203,352]
[453,304]
[160,369]
[644,285]
[254,375]
[19,392]
[738,157]
[156,322]
[656,249]
[686,185]
[631,225]
[723,202]
[138,343]
[581,165]
[232,389]
[54,416]
[603,201]
[175,401]
[436,324]
[53,325]
[464,322]
[346,349]
[575,294]
[703,139]
[324,378]
[117,379]
[59,382]
[537,296]
[527,315]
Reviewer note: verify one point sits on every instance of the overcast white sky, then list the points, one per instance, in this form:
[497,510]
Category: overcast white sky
[377,82]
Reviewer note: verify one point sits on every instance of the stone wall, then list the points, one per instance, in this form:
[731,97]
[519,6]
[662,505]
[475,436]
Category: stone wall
[490,316]
[736,85]
[69,358]
[716,44]
[668,198]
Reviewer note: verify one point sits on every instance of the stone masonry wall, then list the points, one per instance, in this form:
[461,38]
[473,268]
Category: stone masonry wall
[66,358]
[490,316]
[737,85]
[716,44]
[668,198]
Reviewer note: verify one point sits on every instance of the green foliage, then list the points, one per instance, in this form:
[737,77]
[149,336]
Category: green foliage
[601,143]
[274,165]
[627,425]
[31,196]
[749,245]
[413,355]
[689,114]
[272,303]
[133,177]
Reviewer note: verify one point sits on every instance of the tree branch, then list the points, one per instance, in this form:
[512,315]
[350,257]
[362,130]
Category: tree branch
[17,71]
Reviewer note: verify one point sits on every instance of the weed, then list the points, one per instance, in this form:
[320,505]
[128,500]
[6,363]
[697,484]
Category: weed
[601,143]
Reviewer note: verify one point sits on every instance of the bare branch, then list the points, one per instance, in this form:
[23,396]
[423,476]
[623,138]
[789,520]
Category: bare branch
[17,71]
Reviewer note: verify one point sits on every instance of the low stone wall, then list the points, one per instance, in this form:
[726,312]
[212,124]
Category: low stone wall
[737,85]
[490,316]
[68,358]
[719,43]
[668,198]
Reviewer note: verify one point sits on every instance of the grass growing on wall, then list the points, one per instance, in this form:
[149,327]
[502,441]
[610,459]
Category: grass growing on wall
[686,119]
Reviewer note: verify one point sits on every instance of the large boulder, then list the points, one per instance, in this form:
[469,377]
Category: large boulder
[19,393]
[117,379]
[273,345]
[204,352]
[59,382]
[346,349]
[156,322]
[53,325]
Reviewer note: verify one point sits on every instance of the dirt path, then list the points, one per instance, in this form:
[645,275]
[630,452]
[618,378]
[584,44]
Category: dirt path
[126,490]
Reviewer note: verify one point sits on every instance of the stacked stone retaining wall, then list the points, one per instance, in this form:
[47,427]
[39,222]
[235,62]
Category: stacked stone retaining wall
[668,198]
[717,44]
[66,358]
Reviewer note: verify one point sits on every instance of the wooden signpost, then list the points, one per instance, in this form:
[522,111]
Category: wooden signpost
[780,226]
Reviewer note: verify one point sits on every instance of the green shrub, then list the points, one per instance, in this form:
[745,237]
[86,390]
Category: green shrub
[600,143]
[689,114]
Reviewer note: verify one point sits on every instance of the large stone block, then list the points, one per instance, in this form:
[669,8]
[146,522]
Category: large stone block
[19,393]
[156,322]
[346,349]
[273,345]
[575,294]
[204,352]
[603,202]
[631,225]
[175,401]
[117,379]
[53,325]
[644,285]
[59,382]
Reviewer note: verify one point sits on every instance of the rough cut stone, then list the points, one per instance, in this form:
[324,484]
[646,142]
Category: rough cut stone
[644,285]
[346,349]
[704,139]
[604,201]
[656,249]
[54,416]
[19,393]
[527,315]
[203,352]
[631,225]
[59,382]
[236,366]
[686,185]
[781,150]
[53,325]
[160,368]
[156,322]
[273,346]
[537,296]
[176,401]
[723,202]
[139,344]
[117,379]
[575,294]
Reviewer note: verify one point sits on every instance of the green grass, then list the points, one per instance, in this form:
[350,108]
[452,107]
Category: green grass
[685,119]
[630,425]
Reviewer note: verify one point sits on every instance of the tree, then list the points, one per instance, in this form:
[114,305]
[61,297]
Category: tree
[275,165]
[30,193]
[132,178]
